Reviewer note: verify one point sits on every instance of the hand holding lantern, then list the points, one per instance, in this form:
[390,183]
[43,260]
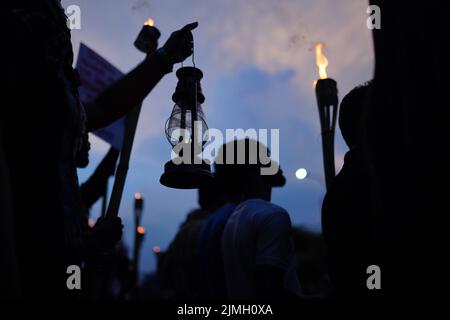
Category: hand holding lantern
[180,44]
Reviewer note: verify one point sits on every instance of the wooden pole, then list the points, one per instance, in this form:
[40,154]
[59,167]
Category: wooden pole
[147,42]
[122,169]
[104,200]
[327,102]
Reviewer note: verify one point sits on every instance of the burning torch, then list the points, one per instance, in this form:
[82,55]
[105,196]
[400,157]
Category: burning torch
[327,102]
[140,231]
[146,42]
[138,236]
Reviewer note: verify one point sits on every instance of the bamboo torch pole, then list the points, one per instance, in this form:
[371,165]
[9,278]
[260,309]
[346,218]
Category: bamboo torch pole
[146,42]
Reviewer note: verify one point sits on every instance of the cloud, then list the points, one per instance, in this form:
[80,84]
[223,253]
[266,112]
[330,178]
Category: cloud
[275,36]
[271,35]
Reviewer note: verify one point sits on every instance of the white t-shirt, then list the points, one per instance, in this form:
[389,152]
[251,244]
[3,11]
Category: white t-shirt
[257,233]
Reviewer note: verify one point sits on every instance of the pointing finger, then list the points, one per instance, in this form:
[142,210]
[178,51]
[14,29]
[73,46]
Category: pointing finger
[190,27]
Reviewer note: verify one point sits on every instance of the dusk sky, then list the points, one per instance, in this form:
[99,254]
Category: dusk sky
[259,66]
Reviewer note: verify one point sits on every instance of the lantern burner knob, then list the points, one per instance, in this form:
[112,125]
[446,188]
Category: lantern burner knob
[188,83]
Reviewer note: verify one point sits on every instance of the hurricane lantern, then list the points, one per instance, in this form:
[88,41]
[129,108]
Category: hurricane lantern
[186,131]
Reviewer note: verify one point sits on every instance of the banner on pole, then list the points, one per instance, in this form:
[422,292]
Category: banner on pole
[96,74]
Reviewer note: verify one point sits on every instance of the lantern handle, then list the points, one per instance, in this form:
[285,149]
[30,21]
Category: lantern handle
[193,55]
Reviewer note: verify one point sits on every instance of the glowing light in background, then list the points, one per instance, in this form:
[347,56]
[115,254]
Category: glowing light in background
[91,223]
[140,230]
[301,174]
[149,22]
[156,249]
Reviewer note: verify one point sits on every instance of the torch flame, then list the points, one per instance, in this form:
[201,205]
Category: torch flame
[149,22]
[321,61]
[140,230]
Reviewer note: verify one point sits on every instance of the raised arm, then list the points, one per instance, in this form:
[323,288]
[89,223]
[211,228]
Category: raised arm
[125,94]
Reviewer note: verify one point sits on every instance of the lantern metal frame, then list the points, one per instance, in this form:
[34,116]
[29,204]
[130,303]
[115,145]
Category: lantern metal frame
[197,172]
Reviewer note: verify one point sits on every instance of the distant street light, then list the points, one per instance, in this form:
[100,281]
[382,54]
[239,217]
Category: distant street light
[156,249]
[301,174]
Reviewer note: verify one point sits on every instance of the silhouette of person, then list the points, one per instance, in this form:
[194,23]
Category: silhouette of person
[181,271]
[9,286]
[43,129]
[257,247]
[213,284]
[82,157]
[346,207]
[407,140]
[210,263]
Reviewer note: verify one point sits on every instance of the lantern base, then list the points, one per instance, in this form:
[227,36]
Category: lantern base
[186,176]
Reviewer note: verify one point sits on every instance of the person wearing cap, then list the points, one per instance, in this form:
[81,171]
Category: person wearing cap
[209,250]
[257,249]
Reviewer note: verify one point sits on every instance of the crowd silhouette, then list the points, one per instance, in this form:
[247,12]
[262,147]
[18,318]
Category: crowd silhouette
[386,207]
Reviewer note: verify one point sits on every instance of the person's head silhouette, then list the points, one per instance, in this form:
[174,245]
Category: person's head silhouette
[211,196]
[82,159]
[351,114]
[238,170]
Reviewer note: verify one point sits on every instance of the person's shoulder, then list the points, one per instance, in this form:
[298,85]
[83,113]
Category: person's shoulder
[268,217]
[218,218]
[226,209]
[262,207]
